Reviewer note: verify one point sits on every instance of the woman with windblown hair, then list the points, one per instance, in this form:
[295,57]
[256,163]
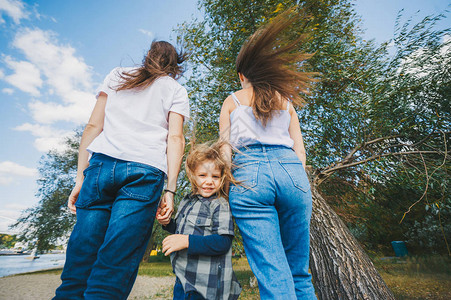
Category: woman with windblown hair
[134,138]
[272,204]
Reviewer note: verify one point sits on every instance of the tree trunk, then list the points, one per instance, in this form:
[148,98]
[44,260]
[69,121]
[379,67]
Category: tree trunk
[340,267]
[149,247]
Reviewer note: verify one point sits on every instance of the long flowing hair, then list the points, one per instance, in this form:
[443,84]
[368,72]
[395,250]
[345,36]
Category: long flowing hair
[161,60]
[272,63]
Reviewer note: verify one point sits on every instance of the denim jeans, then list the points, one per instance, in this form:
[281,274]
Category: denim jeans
[115,213]
[179,293]
[272,207]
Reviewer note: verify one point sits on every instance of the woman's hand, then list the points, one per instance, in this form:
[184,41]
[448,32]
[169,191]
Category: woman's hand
[165,209]
[175,242]
[73,198]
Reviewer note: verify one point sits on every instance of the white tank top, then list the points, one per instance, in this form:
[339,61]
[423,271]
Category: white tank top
[246,130]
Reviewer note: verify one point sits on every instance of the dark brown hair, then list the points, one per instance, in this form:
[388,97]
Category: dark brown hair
[208,152]
[161,60]
[272,64]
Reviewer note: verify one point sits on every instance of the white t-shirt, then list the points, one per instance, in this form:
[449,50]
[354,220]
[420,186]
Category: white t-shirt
[136,121]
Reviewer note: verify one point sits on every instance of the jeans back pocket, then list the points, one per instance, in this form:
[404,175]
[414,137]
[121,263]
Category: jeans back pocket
[296,172]
[142,181]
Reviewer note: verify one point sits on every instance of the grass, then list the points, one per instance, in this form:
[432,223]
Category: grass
[411,278]
[240,266]
[417,277]
[156,269]
[244,274]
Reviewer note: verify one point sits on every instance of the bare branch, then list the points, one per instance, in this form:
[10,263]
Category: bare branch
[428,177]
[424,193]
[374,157]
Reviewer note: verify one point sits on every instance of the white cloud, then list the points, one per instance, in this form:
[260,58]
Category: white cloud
[53,69]
[63,70]
[50,112]
[26,76]
[9,171]
[13,8]
[47,137]
[8,91]
[65,75]
[146,32]
[5,180]
[50,143]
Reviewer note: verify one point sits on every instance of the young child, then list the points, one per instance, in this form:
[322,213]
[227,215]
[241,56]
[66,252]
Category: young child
[202,231]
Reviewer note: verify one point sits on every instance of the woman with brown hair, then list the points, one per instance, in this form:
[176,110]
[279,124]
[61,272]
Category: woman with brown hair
[272,205]
[133,139]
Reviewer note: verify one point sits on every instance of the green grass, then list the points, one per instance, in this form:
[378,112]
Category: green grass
[240,266]
[411,278]
[417,277]
[156,269]
[244,274]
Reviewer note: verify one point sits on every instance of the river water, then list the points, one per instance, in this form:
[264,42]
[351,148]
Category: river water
[15,264]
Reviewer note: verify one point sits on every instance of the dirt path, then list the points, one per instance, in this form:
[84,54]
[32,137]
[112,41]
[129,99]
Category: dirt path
[42,286]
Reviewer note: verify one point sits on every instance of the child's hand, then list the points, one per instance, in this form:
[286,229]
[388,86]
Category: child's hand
[161,211]
[175,242]
[165,209]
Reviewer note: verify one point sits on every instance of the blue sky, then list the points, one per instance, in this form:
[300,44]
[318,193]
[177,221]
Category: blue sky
[54,54]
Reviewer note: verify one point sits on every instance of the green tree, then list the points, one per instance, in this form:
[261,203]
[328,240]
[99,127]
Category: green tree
[371,117]
[7,241]
[50,221]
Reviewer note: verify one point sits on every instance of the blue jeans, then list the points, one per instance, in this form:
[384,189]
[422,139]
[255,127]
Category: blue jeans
[272,208]
[115,213]
[179,292]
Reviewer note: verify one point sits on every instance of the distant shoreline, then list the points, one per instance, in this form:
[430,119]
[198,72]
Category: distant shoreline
[25,264]
[13,253]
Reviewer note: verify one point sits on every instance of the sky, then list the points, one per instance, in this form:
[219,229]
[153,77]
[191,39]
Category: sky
[54,54]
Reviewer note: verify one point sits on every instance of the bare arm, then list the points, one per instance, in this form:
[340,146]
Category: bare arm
[295,133]
[91,131]
[175,150]
[224,128]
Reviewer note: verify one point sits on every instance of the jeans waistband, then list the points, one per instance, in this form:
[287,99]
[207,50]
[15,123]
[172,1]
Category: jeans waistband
[262,147]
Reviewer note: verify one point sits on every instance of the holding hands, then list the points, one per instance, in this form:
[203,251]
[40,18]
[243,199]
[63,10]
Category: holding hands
[174,242]
[165,209]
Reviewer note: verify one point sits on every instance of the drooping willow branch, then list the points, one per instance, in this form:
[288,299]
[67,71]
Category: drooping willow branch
[393,145]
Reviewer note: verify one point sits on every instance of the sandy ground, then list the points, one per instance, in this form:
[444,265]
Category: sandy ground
[42,286]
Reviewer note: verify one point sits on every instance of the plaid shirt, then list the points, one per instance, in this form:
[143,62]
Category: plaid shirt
[210,276]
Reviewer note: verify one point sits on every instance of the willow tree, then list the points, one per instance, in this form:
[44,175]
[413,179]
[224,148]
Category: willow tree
[371,115]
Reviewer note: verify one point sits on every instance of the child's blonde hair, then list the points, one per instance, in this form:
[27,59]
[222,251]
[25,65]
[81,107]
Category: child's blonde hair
[208,152]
